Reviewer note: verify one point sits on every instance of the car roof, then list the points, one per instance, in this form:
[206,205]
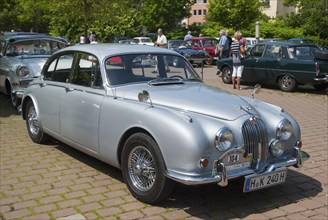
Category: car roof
[15,36]
[202,38]
[141,38]
[109,49]
[284,43]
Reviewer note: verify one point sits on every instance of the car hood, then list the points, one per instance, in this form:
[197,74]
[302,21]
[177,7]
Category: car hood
[34,63]
[191,97]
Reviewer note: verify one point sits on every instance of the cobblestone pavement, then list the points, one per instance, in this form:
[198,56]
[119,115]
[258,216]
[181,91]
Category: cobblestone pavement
[55,181]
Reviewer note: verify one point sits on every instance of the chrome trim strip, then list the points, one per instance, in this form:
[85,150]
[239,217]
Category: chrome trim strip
[321,79]
[192,180]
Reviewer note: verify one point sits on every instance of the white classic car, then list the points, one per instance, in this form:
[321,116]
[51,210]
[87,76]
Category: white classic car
[157,121]
[22,56]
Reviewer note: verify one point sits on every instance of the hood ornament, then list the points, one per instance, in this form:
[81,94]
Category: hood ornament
[256,90]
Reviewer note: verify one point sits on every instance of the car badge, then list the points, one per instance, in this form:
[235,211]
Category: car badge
[253,119]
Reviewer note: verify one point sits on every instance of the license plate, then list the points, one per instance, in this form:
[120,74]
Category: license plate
[255,182]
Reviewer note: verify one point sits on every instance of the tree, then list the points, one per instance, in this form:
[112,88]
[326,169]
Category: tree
[165,14]
[312,16]
[235,14]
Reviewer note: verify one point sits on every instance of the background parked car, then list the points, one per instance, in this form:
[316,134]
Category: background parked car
[205,43]
[185,49]
[301,40]
[143,41]
[281,63]
[22,56]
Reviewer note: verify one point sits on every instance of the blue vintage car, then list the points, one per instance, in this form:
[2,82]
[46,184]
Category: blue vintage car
[159,127]
[185,49]
[22,56]
[282,63]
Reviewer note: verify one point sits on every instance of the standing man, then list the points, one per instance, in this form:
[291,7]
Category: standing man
[223,45]
[161,39]
[229,39]
[188,36]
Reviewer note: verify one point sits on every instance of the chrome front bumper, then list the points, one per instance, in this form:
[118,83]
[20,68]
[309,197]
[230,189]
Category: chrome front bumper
[222,176]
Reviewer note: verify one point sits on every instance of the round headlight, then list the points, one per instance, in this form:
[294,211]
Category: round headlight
[23,72]
[284,130]
[223,139]
[276,148]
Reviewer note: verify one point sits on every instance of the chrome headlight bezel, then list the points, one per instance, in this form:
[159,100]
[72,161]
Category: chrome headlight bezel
[23,72]
[224,139]
[284,130]
[277,148]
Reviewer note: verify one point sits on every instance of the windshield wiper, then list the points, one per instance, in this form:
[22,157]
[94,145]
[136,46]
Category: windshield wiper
[165,81]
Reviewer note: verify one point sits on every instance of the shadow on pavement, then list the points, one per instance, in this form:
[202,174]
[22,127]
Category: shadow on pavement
[219,202]
[6,109]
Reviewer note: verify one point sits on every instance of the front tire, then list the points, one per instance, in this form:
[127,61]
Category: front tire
[33,124]
[227,75]
[143,169]
[287,83]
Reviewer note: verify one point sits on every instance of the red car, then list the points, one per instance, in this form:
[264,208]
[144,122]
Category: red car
[205,43]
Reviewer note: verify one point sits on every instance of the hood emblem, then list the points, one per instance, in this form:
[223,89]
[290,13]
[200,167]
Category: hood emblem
[253,119]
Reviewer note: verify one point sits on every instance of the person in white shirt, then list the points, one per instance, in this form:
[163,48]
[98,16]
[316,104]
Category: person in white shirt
[161,39]
[161,42]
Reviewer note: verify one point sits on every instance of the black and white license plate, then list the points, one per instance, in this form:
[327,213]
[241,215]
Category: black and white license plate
[255,182]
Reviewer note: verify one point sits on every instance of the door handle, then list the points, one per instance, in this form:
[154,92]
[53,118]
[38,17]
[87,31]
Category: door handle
[43,84]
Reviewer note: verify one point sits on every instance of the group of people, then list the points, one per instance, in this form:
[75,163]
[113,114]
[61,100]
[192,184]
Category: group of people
[92,39]
[236,49]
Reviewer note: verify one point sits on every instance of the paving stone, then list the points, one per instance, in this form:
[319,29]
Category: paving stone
[55,181]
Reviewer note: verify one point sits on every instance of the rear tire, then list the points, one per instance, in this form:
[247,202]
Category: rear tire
[33,124]
[227,75]
[287,83]
[143,169]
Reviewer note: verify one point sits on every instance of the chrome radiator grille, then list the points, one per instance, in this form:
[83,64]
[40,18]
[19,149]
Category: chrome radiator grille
[255,140]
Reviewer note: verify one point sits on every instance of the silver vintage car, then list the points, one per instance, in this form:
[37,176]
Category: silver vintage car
[22,56]
[157,121]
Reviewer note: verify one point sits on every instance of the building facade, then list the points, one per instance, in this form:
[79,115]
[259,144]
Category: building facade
[199,10]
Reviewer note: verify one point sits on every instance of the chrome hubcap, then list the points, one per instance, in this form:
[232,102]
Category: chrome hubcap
[33,123]
[286,81]
[141,167]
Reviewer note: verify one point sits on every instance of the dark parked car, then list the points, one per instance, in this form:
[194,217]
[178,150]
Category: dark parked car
[22,56]
[205,43]
[282,63]
[184,48]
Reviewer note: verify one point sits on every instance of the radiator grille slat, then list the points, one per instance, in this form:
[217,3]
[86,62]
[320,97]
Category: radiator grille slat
[255,141]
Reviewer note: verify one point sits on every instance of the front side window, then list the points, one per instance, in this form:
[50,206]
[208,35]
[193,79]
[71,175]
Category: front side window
[34,47]
[258,50]
[127,69]
[59,69]
[272,51]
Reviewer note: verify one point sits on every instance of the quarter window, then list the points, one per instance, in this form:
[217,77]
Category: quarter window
[86,71]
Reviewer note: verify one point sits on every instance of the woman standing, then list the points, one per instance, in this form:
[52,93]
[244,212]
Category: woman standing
[237,49]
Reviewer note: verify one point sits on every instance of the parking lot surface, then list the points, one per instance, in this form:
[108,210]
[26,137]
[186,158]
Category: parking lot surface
[55,181]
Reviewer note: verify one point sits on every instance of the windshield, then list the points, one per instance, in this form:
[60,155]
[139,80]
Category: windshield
[136,68]
[145,40]
[34,47]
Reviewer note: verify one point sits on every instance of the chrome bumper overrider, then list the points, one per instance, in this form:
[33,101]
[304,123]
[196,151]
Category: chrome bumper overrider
[222,176]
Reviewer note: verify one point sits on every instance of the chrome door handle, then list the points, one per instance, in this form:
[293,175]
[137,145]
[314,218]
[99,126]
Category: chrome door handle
[69,89]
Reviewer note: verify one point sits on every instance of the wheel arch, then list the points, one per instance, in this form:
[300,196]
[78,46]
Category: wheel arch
[285,74]
[125,137]
[8,86]
[24,103]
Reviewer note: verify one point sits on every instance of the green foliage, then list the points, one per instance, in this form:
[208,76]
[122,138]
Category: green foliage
[312,17]
[165,14]
[235,14]
[181,31]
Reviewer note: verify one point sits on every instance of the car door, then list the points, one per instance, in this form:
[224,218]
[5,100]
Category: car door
[81,103]
[269,63]
[252,65]
[52,88]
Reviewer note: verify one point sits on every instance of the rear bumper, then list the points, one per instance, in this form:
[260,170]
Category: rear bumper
[221,176]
